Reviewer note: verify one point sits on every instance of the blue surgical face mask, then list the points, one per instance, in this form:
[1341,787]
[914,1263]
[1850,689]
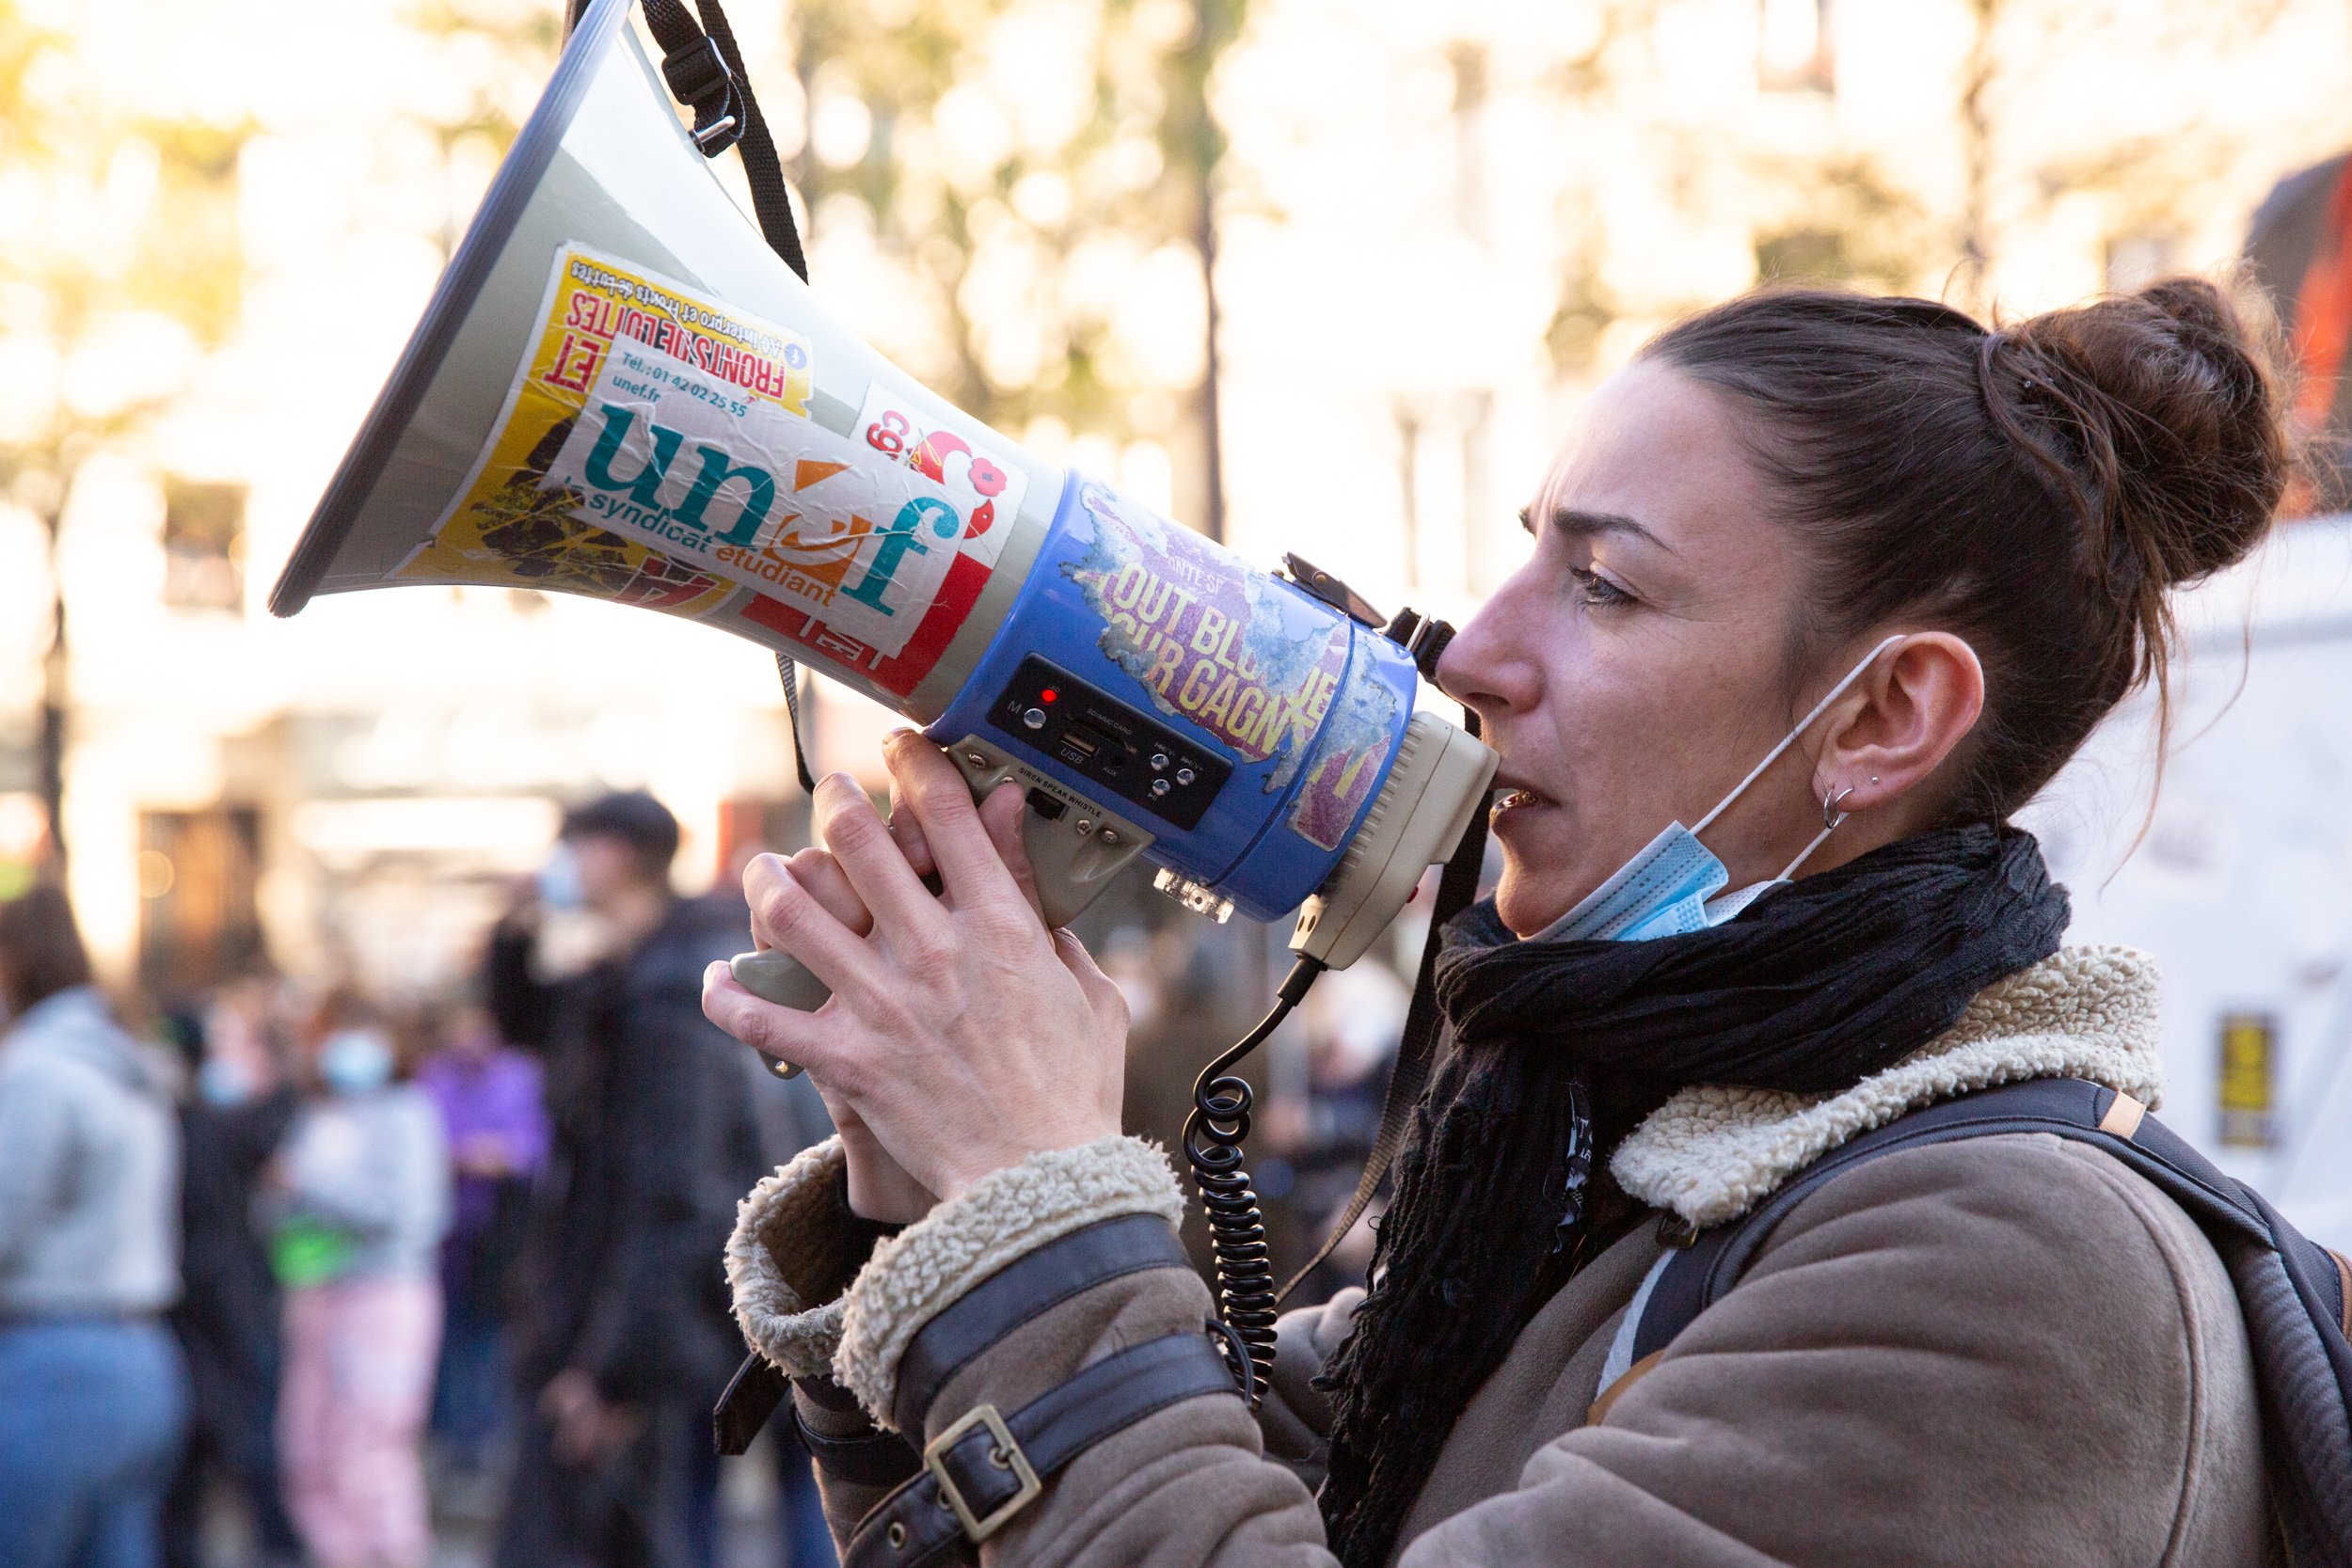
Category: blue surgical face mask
[352,1061]
[559,885]
[224,1083]
[1676,884]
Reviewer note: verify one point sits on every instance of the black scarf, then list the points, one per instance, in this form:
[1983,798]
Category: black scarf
[1555,1050]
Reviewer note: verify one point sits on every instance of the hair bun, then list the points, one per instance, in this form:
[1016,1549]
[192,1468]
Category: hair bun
[2167,421]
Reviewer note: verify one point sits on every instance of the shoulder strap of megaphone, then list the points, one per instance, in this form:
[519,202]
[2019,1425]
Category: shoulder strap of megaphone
[1457,889]
[704,70]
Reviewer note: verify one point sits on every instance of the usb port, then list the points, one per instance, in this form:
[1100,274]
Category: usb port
[1085,742]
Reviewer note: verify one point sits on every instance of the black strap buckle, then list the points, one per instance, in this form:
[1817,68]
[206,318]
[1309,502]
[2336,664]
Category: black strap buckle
[698,76]
[696,70]
[1004,1461]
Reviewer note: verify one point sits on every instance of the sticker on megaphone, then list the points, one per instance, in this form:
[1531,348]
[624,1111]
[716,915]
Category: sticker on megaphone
[679,431]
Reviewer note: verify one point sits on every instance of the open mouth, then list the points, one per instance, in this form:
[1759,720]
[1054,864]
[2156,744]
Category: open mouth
[1516,797]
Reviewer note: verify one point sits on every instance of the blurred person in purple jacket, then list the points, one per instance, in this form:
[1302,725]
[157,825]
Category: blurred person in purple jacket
[496,1121]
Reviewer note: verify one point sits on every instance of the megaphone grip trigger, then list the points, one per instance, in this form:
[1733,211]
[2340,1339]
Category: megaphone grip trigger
[780,978]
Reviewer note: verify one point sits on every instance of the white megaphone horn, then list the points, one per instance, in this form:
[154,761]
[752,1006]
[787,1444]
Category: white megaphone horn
[619,391]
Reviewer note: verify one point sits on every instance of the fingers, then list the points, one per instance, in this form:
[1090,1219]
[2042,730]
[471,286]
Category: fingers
[908,833]
[786,1034]
[786,915]
[822,877]
[1002,813]
[1101,992]
[868,855]
[970,865]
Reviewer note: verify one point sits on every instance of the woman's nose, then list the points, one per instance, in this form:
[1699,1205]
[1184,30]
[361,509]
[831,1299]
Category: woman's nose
[1480,668]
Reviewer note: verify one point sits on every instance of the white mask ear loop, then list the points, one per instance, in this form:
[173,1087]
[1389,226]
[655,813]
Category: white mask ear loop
[1833,815]
[1791,739]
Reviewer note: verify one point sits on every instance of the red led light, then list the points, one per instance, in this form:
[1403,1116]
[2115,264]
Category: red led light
[1049,695]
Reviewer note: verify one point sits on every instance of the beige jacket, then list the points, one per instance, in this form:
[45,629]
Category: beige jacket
[2008,1350]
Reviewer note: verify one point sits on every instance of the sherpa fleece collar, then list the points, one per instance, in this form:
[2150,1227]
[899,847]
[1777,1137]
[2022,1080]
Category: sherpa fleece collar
[1712,1153]
[1002,1216]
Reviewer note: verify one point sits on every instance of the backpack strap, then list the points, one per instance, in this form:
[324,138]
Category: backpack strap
[2296,1295]
[1697,1278]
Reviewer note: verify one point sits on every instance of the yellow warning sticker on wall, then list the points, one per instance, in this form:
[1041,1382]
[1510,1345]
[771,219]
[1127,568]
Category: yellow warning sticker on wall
[2248,1069]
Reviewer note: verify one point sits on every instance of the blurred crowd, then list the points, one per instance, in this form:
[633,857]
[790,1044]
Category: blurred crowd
[286,1272]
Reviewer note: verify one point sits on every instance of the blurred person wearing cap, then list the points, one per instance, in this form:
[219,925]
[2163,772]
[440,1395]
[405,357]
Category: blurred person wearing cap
[355,1206]
[627,1338]
[93,1397]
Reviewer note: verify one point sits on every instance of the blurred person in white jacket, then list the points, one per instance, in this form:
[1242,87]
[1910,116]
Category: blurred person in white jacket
[93,1396]
[356,1206]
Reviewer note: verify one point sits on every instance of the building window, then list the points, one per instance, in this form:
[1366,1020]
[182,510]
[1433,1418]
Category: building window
[1467,62]
[1793,49]
[1442,483]
[204,545]
[199,872]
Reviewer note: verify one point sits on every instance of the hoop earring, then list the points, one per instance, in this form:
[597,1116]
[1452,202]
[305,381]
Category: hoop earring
[1832,808]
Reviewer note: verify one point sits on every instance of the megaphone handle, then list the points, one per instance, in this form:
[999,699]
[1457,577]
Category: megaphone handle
[1073,854]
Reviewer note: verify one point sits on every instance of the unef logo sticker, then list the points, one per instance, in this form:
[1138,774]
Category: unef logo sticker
[774,502]
[656,448]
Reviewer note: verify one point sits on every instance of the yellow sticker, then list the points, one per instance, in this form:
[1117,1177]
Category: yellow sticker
[2249,1065]
[507,527]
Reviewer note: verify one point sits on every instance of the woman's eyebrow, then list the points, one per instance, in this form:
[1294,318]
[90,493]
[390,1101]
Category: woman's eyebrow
[1583,525]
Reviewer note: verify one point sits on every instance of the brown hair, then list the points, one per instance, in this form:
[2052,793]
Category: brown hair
[40,948]
[2035,489]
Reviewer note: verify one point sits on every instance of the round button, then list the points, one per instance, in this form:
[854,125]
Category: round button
[1034,719]
[1159,760]
[1159,787]
[1185,775]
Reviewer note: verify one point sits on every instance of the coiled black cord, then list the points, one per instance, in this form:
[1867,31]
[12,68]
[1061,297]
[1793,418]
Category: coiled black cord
[1212,1139]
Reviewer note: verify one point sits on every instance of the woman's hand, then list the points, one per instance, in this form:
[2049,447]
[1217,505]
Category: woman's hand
[880,1188]
[961,1033]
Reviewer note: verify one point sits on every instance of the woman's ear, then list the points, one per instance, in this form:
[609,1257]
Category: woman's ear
[1901,722]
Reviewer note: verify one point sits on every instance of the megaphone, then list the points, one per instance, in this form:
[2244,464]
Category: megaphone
[619,391]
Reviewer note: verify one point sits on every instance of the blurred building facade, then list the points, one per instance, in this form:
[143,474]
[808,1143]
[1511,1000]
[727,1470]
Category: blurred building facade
[1430,230]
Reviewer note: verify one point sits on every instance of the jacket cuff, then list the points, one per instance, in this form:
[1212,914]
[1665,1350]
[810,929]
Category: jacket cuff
[795,1249]
[998,1219]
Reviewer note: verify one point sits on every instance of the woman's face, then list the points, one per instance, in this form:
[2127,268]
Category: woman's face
[1632,673]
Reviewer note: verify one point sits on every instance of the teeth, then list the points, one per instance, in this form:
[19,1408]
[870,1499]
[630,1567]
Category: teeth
[1511,797]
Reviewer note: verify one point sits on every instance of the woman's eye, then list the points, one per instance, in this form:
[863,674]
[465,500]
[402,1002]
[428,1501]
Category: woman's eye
[1597,589]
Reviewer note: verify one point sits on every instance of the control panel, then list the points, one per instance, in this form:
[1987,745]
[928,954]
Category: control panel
[1110,744]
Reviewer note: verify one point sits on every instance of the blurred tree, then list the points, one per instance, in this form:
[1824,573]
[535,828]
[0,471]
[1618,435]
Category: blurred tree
[120,266]
[492,58]
[1827,210]
[1017,199]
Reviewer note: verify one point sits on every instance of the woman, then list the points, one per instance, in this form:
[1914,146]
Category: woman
[1842,581]
[358,1203]
[94,1395]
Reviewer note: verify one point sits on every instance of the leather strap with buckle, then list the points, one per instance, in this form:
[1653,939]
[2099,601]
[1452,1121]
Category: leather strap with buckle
[1021,1292]
[983,1470]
